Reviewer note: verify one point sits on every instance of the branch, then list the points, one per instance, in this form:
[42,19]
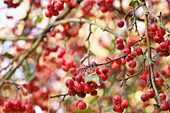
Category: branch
[149,50]
[59,95]
[17,38]
[160,74]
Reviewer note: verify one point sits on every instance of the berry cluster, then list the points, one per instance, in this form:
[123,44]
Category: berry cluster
[11,4]
[149,94]
[78,86]
[16,106]
[119,104]
[80,105]
[54,8]
[106,5]
[157,35]
[130,55]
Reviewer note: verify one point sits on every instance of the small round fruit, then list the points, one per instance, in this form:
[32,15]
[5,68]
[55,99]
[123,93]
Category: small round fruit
[117,99]
[164,107]
[82,105]
[120,23]
[124,104]
[162,96]
[144,97]
[150,94]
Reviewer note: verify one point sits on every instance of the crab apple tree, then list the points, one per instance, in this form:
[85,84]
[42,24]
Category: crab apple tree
[84,56]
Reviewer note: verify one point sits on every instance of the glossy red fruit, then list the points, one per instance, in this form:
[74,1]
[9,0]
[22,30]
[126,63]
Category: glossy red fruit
[139,51]
[126,51]
[104,9]
[120,47]
[161,32]
[93,93]
[157,39]
[105,69]
[59,6]
[69,83]
[164,107]
[119,41]
[50,7]
[100,2]
[8,105]
[117,99]
[77,102]
[133,54]
[109,2]
[82,105]
[117,108]
[87,89]
[17,105]
[153,27]
[103,76]
[79,78]
[71,92]
[150,94]
[81,94]
[132,64]
[120,23]
[78,87]
[28,107]
[130,42]
[48,14]
[163,46]
[144,97]
[162,96]
[124,104]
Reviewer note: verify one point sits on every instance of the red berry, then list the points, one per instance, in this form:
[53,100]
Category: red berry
[101,2]
[8,105]
[59,6]
[162,96]
[104,76]
[126,51]
[117,99]
[150,94]
[104,9]
[109,2]
[132,64]
[48,14]
[153,27]
[87,89]
[81,94]
[17,105]
[157,39]
[69,83]
[79,78]
[128,58]
[124,104]
[71,92]
[50,7]
[131,42]
[161,32]
[82,105]
[117,108]
[163,46]
[133,54]
[164,107]
[139,51]
[77,102]
[72,70]
[105,69]
[144,97]
[120,47]
[28,107]
[120,23]
[119,41]
[93,93]
[78,87]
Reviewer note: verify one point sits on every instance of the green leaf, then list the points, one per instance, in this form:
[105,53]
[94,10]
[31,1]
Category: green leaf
[8,55]
[92,77]
[84,111]
[29,77]
[37,20]
[132,3]
[20,1]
